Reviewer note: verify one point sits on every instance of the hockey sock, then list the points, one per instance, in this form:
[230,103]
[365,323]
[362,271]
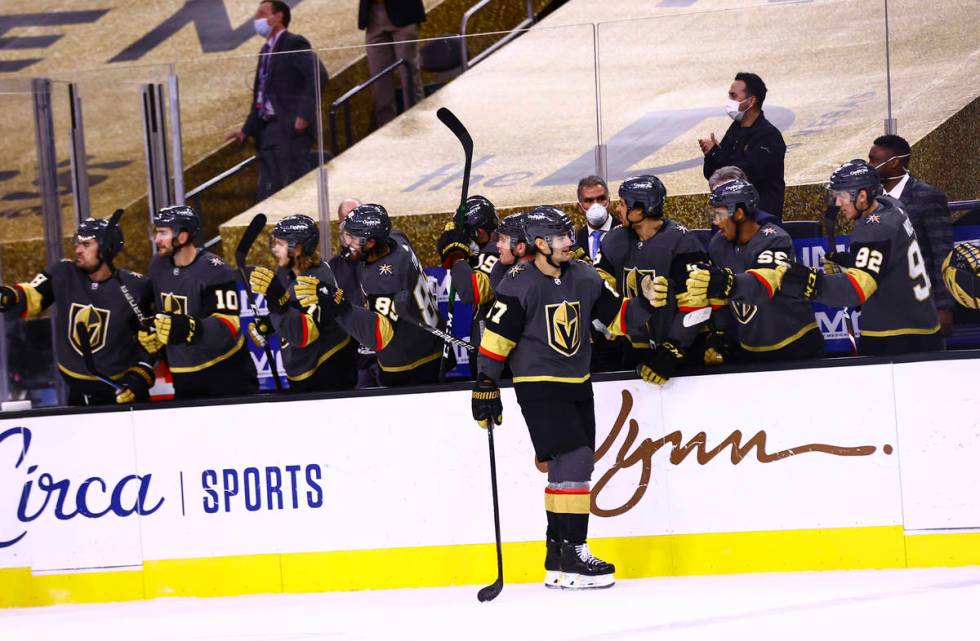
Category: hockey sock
[568,506]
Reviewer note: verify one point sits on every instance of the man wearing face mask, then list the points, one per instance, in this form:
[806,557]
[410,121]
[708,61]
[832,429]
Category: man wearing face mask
[593,203]
[751,143]
[283,100]
[926,207]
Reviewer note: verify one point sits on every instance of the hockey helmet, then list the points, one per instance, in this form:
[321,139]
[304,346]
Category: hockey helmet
[298,230]
[368,221]
[961,273]
[110,240]
[646,193]
[854,176]
[513,227]
[479,214]
[179,218]
[546,222]
[734,194]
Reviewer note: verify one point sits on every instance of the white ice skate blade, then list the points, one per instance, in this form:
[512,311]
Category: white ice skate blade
[570,581]
[552,579]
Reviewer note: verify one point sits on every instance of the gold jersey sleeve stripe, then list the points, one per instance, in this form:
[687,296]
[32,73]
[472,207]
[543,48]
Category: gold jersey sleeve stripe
[383,332]
[917,331]
[863,282]
[496,344]
[482,291]
[551,379]
[32,298]
[310,332]
[769,278]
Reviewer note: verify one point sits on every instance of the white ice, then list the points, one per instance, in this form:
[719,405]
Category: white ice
[829,606]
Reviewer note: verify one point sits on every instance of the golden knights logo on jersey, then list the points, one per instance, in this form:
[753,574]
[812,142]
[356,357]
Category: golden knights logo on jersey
[95,320]
[743,312]
[563,327]
[631,282]
[174,303]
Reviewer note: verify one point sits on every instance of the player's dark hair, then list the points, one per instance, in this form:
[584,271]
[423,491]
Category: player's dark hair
[590,181]
[278,6]
[753,86]
[896,146]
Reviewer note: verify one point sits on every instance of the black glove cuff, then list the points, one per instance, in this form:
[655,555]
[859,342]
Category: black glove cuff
[666,358]
[721,284]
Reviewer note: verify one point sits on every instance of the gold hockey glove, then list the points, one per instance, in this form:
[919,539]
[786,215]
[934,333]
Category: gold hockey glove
[656,290]
[263,281]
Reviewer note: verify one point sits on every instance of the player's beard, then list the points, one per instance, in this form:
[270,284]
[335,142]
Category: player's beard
[165,250]
[87,268]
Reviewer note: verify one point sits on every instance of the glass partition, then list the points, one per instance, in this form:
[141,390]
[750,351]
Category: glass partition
[665,80]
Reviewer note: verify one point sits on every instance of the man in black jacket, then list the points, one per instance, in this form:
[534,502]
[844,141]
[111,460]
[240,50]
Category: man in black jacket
[284,101]
[751,143]
[391,31]
[927,209]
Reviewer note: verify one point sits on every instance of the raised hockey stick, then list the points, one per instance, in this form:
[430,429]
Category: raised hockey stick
[490,592]
[449,119]
[251,233]
[830,232]
[130,300]
[449,339]
[85,342]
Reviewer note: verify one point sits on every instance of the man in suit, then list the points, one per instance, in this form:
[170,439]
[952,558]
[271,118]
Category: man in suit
[391,31]
[927,209]
[593,203]
[284,101]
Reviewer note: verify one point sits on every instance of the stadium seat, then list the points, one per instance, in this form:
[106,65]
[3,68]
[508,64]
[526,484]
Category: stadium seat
[442,56]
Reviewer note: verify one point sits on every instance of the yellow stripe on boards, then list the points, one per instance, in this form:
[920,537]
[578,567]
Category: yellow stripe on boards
[433,566]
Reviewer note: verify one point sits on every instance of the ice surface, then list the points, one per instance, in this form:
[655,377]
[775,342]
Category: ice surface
[830,606]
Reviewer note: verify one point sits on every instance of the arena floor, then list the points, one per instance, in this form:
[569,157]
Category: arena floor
[870,604]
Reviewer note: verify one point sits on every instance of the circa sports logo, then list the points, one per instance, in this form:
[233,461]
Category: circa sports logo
[93,498]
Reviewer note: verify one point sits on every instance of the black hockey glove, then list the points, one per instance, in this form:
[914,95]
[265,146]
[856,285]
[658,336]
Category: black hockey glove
[263,281]
[8,298]
[799,281]
[174,329]
[136,384]
[662,365]
[486,402]
[453,245]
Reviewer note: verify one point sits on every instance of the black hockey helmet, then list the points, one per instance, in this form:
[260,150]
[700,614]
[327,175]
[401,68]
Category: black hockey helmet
[368,221]
[513,227]
[961,273]
[644,192]
[546,222]
[179,218]
[298,229]
[110,241]
[479,214]
[734,194]
[854,176]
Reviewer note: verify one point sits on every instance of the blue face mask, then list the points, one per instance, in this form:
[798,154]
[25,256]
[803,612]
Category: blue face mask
[262,27]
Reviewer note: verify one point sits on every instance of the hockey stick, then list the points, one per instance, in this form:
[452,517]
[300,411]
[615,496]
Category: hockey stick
[85,342]
[130,300]
[445,337]
[251,233]
[490,592]
[449,119]
[830,232]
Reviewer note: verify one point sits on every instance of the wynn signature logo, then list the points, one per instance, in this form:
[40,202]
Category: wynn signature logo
[632,453]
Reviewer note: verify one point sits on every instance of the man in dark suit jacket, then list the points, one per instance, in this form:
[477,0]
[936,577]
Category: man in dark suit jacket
[284,100]
[928,210]
[391,31]
[592,191]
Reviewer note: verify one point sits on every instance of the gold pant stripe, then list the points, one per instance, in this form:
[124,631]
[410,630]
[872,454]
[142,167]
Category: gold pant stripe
[568,503]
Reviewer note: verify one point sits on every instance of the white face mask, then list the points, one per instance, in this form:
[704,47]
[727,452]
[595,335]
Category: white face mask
[597,215]
[731,108]
[262,27]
